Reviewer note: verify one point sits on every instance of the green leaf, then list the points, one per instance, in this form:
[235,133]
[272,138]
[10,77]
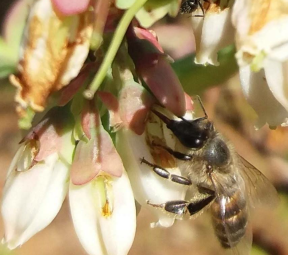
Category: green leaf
[25,122]
[124,4]
[196,78]
[6,70]
[8,59]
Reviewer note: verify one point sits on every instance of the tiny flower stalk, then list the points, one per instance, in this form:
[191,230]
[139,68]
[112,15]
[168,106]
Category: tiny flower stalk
[51,55]
[101,199]
[113,47]
[152,66]
[101,10]
[37,180]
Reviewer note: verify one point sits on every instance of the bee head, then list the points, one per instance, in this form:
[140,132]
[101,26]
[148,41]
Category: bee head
[191,133]
[189,6]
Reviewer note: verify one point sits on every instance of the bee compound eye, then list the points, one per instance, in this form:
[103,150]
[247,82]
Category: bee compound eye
[198,143]
[195,143]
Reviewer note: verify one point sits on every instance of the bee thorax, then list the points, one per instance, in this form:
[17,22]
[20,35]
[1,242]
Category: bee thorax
[216,153]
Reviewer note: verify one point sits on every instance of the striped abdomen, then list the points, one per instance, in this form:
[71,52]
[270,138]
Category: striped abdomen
[229,217]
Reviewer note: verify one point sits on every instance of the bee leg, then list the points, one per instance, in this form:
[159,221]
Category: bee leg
[195,206]
[166,174]
[181,207]
[178,207]
[175,154]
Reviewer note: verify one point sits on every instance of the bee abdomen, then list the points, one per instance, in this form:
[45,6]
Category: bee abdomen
[230,219]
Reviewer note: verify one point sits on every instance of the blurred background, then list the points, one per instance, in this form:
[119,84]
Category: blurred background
[224,102]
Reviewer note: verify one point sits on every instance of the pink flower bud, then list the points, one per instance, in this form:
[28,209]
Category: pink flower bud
[152,65]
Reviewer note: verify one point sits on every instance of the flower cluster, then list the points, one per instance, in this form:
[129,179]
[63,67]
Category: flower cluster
[97,71]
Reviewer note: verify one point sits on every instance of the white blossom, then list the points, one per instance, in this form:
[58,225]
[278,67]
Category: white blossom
[262,54]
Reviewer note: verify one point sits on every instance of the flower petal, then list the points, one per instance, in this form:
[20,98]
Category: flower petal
[55,44]
[112,104]
[259,95]
[165,85]
[83,168]
[145,183]
[216,33]
[277,79]
[135,103]
[68,7]
[101,230]
[98,154]
[32,199]
[261,30]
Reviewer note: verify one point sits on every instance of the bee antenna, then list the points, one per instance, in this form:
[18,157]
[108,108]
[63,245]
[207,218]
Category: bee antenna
[162,117]
[202,106]
[200,4]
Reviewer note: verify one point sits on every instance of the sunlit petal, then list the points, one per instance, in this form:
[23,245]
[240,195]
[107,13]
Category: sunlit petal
[32,199]
[104,215]
[277,78]
[259,95]
[212,34]
[145,183]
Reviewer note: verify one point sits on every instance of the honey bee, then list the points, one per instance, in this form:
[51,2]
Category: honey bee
[226,183]
[189,6]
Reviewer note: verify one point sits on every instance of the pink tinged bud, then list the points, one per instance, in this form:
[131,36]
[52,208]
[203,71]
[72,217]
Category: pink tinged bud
[189,103]
[148,35]
[135,104]
[70,7]
[90,119]
[153,67]
[98,155]
[165,85]
[112,104]
[47,136]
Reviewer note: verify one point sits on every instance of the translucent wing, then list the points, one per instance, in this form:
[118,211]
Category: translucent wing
[233,231]
[230,213]
[259,189]
[234,196]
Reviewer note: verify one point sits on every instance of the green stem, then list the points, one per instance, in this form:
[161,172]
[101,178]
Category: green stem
[113,48]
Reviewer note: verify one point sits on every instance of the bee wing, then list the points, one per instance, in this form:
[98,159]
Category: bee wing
[259,189]
[243,247]
[230,215]
[256,189]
